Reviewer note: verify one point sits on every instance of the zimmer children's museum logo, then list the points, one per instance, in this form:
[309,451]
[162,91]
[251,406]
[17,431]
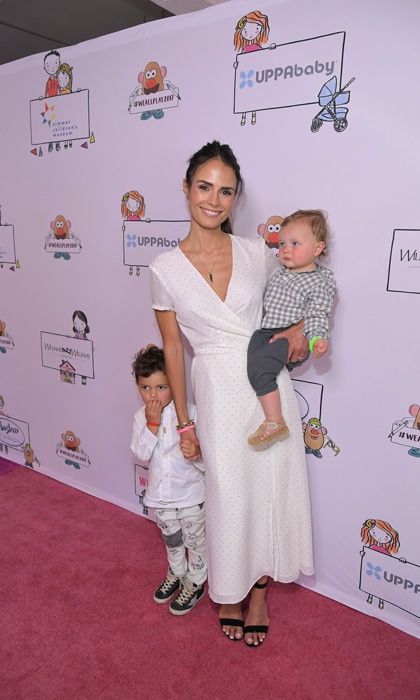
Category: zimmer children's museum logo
[61,116]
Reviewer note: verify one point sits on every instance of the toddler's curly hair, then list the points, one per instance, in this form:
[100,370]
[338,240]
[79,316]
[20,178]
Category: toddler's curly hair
[147,361]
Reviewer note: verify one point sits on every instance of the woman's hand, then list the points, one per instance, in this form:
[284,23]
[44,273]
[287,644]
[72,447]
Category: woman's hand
[298,344]
[189,444]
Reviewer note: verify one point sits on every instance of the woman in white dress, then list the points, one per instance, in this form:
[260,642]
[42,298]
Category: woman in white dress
[257,503]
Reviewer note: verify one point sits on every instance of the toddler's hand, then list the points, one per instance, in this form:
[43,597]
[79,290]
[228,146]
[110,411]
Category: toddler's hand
[190,450]
[320,347]
[153,411]
[186,438]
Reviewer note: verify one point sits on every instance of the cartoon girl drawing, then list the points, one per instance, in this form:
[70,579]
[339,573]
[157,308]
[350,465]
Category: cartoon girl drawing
[80,330]
[381,537]
[65,84]
[65,79]
[251,32]
[80,325]
[132,206]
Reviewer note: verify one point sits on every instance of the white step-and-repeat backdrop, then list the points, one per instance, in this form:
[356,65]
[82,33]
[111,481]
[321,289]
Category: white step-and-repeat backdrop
[321,104]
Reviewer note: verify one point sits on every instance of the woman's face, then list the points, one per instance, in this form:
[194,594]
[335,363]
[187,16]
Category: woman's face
[132,204]
[380,535]
[79,324]
[211,194]
[251,30]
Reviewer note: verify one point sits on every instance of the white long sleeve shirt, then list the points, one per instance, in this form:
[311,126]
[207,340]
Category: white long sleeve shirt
[174,482]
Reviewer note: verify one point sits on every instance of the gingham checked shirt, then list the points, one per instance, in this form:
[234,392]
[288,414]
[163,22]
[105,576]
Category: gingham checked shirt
[291,296]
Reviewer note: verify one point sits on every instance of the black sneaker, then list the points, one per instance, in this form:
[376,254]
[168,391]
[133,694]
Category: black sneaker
[167,588]
[187,599]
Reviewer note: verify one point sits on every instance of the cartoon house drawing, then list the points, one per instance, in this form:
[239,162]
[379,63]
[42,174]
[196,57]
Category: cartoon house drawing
[67,372]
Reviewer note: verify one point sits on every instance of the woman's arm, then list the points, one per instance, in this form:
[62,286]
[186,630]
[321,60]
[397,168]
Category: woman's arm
[298,344]
[173,350]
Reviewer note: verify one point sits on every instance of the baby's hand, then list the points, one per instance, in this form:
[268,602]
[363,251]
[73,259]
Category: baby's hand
[153,411]
[189,449]
[320,347]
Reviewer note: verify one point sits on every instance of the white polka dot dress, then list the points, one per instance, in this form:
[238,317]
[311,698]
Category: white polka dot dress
[257,502]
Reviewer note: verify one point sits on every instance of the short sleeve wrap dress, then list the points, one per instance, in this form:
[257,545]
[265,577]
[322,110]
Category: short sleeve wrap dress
[257,502]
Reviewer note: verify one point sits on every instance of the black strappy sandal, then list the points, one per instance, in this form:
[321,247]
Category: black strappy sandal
[232,623]
[249,629]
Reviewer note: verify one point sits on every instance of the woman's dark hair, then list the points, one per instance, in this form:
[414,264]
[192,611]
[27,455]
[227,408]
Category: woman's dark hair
[223,151]
[82,316]
[148,361]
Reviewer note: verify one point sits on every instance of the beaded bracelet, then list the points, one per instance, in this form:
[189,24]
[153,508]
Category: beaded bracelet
[185,423]
[154,425]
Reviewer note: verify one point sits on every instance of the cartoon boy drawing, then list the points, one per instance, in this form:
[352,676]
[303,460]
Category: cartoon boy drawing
[51,67]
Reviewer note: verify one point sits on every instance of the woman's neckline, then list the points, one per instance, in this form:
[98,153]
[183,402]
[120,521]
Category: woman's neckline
[207,283]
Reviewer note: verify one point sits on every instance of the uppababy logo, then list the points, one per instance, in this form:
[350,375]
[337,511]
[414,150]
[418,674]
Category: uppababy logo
[296,71]
[373,570]
[378,573]
[246,79]
[153,241]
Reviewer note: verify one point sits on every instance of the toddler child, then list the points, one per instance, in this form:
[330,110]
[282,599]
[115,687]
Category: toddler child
[175,488]
[299,289]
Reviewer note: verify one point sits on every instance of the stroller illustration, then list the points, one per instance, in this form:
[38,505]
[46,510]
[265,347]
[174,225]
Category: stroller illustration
[331,100]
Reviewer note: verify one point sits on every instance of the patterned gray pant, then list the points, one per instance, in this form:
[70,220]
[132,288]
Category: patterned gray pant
[183,528]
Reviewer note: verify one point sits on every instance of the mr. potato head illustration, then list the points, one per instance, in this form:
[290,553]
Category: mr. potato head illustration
[406,426]
[151,81]
[270,230]
[414,411]
[60,231]
[60,227]
[315,438]
[71,441]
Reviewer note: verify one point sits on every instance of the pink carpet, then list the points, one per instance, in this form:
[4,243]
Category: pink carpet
[78,619]
[6,466]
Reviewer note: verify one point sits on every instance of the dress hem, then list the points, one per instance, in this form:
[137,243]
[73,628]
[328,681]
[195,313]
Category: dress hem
[223,600]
